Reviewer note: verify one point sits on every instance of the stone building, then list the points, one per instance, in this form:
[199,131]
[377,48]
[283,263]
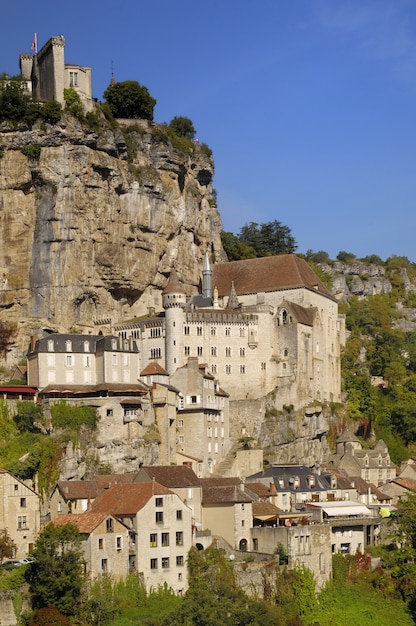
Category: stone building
[105,543]
[47,74]
[19,512]
[258,324]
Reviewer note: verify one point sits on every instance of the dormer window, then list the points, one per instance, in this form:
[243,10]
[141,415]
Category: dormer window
[366,461]
[114,344]
[380,460]
[50,345]
[68,345]
[86,346]
[285,317]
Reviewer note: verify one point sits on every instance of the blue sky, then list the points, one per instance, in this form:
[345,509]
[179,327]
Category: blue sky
[309,105]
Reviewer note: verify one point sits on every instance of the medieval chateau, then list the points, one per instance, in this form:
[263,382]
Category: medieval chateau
[260,325]
[47,74]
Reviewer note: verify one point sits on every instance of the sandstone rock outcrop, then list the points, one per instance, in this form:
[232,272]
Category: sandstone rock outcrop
[90,230]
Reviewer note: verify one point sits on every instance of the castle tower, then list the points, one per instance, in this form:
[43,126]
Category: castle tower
[174,301]
[207,278]
[49,65]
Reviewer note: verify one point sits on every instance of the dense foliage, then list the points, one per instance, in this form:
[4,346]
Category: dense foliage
[56,577]
[7,545]
[183,127]
[259,240]
[16,106]
[130,100]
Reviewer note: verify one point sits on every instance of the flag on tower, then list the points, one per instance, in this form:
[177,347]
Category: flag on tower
[34,43]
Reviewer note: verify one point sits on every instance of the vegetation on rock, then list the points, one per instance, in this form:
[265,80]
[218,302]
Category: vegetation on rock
[130,100]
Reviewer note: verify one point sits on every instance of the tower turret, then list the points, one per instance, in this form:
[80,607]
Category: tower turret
[174,301]
[207,278]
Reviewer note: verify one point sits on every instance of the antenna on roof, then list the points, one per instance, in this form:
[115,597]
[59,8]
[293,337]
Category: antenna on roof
[112,81]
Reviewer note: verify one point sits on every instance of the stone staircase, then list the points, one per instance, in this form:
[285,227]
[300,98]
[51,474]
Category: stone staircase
[224,467]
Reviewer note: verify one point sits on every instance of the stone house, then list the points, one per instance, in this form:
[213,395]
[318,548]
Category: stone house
[353,526]
[372,464]
[182,480]
[203,415]
[305,544]
[227,511]
[160,528]
[291,486]
[19,512]
[105,542]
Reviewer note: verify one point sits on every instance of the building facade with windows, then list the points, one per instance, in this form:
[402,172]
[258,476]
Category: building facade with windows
[19,512]
[160,528]
[258,324]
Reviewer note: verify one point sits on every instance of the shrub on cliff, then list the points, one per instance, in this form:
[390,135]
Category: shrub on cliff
[129,100]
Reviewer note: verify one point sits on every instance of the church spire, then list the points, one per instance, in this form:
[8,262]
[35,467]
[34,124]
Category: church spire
[207,277]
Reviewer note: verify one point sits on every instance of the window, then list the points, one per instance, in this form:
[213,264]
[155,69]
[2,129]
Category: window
[165,539]
[153,540]
[213,368]
[199,351]
[263,366]
[285,352]
[179,515]
[86,361]
[242,352]
[156,332]
[180,423]
[155,353]
[22,522]
[228,332]
[153,563]
[110,525]
[242,332]
[159,517]
[199,330]
[179,538]
[109,412]
[100,544]
[159,501]
[242,369]
[181,439]
[50,345]
[213,330]
[227,351]
[86,346]
[23,502]
[73,79]
[68,345]
[187,350]
[68,360]
[228,369]
[16,487]
[118,543]
[186,330]
[165,562]
[213,351]
[179,561]
[104,566]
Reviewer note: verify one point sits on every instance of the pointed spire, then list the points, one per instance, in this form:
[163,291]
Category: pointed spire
[233,302]
[173,284]
[207,276]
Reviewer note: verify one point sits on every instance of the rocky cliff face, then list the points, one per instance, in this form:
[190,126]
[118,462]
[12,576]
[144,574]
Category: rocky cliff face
[90,230]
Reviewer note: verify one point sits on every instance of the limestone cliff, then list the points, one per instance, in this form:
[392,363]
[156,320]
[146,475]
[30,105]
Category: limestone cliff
[90,230]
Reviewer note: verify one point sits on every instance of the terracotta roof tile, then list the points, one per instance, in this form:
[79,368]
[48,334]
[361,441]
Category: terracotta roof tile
[128,498]
[265,508]
[85,522]
[272,273]
[78,489]
[224,495]
[152,369]
[172,475]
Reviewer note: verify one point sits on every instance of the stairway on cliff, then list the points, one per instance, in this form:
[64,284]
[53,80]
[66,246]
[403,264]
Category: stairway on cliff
[224,467]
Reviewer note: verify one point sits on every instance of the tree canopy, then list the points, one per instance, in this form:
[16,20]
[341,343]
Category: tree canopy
[258,240]
[130,100]
[56,577]
[183,127]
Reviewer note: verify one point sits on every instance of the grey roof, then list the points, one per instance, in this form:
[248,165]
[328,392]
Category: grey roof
[96,343]
[284,476]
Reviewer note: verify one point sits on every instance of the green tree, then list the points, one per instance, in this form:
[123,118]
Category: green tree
[130,100]
[72,418]
[29,417]
[346,257]
[268,239]
[7,546]
[49,617]
[56,577]
[234,249]
[317,257]
[183,127]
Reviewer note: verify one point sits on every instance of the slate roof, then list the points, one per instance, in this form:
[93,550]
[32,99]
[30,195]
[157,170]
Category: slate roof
[96,343]
[171,475]
[273,273]
[286,474]
[128,499]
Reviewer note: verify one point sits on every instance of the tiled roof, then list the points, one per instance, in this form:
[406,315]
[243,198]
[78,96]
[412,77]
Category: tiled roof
[154,368]
[78,489]
[273,273]
[300,313]
[171,475]
[224,495]
[265,508]
[407,483]
[259,489]
[128,499]
[220,481]
[105,481]
[85,522]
